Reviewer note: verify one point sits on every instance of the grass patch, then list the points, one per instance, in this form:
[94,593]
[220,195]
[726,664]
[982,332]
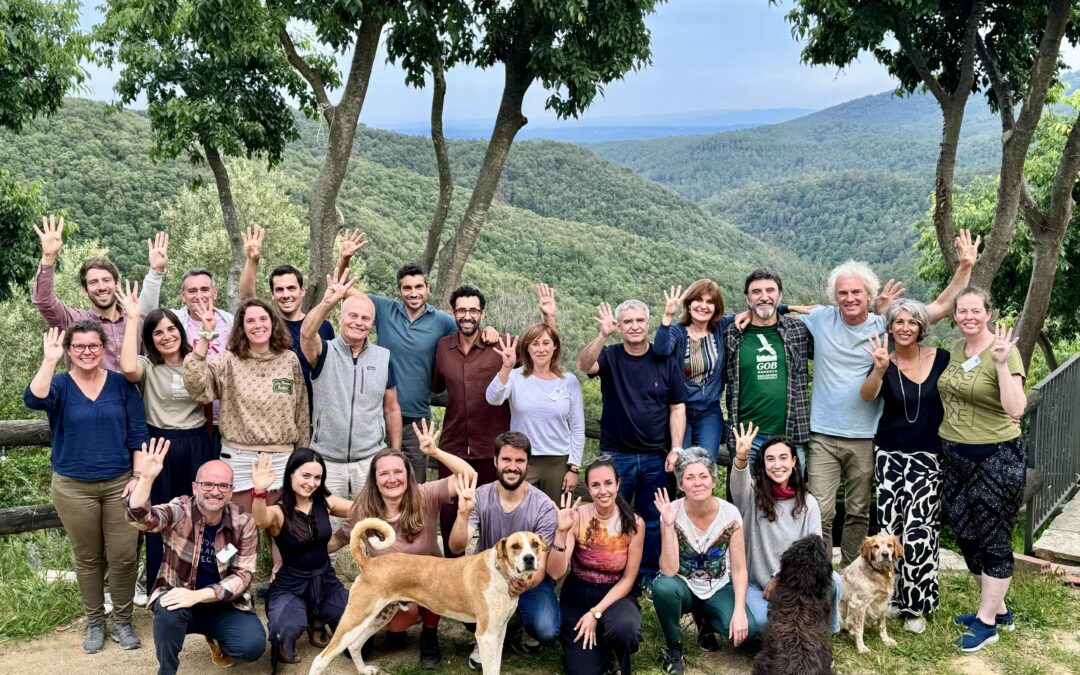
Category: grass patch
[30,606]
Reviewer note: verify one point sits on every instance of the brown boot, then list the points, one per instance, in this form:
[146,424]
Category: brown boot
[220,658]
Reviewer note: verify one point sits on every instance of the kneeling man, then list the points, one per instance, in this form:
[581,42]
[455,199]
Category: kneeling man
[210,550]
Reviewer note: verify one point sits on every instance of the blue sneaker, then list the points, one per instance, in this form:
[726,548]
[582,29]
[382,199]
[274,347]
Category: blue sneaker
[1001,621]
[976,636]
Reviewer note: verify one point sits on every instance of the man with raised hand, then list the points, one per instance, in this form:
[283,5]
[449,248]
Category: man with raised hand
[210,551]
[409,327]
[842,425]
[355,388]
[286,290]
[644,413]
[99,278]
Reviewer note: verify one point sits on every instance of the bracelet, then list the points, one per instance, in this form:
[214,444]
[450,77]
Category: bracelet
[677,451]
[260,495]
[560,549]
[208,334]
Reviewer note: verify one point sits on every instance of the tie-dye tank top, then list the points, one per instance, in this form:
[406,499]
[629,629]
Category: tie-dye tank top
[601,549]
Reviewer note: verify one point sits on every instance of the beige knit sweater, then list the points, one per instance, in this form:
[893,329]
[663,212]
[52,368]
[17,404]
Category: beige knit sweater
[263,397]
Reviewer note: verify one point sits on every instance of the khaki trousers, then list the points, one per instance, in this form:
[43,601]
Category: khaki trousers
[547,472]
[830,461]
[101,539]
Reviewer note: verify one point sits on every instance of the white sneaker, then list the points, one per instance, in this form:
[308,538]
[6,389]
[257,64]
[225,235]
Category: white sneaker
[892,612]
[140,598]
[915,625]
[108,604]
[474,659]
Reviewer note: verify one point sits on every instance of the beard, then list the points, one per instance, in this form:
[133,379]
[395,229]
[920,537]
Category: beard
[468,329]
[764,311]
[505,481]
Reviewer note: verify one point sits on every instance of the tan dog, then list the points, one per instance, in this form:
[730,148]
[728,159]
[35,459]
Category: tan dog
[868,587]
[471,588]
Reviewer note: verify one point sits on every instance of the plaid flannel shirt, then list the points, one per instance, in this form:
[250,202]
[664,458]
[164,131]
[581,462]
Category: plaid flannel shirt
[181,526]
[798,349]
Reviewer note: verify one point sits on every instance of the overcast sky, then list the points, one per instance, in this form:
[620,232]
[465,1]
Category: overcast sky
[707,55]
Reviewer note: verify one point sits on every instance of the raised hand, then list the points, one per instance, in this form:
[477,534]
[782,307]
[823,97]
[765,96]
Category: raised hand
[337,289]
[606,318]
[567,517]
[129,300]
[351,242]
[253,241]
[507,349]
[744,439]
[892,290]
[668,509]
[1003,342]
[879,351]
[546,296]
[154,457]
[262,474]
[158,251]
[51,237]
[206,311]
[53,347]
[967,251]
[427,436]
[673,299]
[465,489]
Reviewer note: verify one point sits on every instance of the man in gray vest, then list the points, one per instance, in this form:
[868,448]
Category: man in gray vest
[353,387]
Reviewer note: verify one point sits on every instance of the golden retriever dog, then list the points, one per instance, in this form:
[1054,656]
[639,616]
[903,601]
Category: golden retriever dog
[472,589]
[868,587]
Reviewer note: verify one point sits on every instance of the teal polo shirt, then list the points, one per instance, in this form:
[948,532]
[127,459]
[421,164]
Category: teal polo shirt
[412,349]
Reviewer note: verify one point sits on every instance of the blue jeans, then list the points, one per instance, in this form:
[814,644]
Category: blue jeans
[759,440]
[640,476]
[758,606]
[540,613]
[239,633]
[705,428]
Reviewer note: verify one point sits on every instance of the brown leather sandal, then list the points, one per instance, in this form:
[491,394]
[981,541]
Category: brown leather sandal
[318,636]
[283,658]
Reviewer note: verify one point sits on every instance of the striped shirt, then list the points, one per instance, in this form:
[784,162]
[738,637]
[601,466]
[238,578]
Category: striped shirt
[180,524]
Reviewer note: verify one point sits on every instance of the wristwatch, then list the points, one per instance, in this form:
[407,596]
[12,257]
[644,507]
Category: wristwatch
[597,614]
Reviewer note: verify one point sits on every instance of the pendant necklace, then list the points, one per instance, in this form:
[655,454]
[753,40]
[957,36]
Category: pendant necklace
[918,394]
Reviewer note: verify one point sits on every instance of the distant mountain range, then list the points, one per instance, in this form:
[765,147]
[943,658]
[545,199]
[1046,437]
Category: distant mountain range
[612,128]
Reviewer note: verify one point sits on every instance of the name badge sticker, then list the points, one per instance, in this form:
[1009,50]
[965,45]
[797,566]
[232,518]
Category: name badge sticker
[971,363]
[226,554]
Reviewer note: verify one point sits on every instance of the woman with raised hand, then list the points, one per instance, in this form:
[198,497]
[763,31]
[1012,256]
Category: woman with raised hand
[601,545]
[392,493]
[98,427]
[906,464]
[260,385]
[702,560]
[777,510]
[982,458]
[172,413]
[545,405]
[305,590]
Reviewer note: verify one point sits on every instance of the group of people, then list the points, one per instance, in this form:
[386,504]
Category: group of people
[200,427]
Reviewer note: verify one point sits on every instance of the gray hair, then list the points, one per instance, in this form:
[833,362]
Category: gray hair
[694,455]
[631,304]
[916,309]
[197,272]
[852,268]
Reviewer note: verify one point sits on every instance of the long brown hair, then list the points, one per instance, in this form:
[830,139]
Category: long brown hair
[763,494]
[280,338]
[370,503]
[531,335]
[698,290]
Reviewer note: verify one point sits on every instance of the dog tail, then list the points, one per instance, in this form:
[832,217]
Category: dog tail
[384,536]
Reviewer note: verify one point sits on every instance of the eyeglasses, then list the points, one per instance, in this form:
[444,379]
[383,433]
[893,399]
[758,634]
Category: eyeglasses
[209,487]
[468,311]
[93,348]
[598,458]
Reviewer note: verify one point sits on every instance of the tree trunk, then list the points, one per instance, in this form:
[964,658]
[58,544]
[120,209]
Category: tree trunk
[952,120]
[324,218]
[442,160]
[1048,352]
[232,224]
[509,121]
[1015,145]
[1043,270]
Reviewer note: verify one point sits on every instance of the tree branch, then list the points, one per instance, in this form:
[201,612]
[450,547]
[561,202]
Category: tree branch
[314,79]
[1061,201]
[1033,213]
[988,56]
[363,58]
[903,36]
[967,63]
[442,161]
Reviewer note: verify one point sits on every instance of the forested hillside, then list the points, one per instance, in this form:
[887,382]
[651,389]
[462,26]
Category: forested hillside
[845,182]
[592,229]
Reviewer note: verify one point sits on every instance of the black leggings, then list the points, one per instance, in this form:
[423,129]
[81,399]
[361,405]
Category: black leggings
[984,488]
[618,634]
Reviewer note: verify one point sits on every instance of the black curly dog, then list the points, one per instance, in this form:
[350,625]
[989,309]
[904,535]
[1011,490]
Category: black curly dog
[798,637]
